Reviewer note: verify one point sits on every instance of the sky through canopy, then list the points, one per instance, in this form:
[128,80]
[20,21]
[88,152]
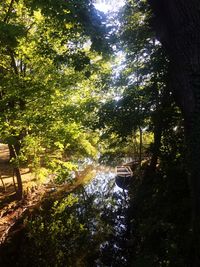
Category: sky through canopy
[107,6]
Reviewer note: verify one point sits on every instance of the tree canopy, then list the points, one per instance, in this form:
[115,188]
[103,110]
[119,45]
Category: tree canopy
[76,85]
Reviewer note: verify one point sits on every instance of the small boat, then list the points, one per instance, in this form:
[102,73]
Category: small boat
[124,176]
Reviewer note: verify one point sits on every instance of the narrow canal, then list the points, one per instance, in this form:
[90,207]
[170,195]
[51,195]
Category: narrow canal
[85,227]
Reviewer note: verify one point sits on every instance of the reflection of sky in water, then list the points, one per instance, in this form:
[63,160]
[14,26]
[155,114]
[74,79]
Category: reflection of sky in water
[111,203]
[106,192]
[103,182]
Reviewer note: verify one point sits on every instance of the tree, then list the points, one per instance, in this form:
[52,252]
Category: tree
[178,28]
[152,189]
[47,50]
[138,95]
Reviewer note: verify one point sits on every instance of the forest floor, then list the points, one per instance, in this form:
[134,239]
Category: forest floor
[12,210]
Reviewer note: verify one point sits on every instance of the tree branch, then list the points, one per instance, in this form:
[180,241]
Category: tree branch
[9,10]
[13,63]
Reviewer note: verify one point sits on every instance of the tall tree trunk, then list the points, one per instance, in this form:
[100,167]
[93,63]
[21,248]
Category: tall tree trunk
[157,122]
[156,146]
[193,144]
[157,118]
[177,24]
[140,145]
[16,171]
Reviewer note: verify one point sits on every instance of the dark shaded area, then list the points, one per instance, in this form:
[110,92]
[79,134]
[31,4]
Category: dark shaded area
[124,182]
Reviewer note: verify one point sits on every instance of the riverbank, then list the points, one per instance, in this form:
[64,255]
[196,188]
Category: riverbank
[71,228]
[14,210]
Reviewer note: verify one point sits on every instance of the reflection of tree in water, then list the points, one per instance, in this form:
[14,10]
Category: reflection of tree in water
[86,228]
[113,207]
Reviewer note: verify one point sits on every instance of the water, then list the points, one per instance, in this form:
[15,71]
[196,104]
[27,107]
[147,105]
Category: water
[104,188]
[85,228]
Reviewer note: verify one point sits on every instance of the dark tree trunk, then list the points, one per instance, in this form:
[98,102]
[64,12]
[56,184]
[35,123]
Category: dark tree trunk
[177,23]
[140,145]
[157,122]
[158,117]
[156,146]
[193,143]
[16,171]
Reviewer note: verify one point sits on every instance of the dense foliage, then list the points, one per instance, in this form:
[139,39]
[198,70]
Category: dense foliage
[50,76]
[64,99]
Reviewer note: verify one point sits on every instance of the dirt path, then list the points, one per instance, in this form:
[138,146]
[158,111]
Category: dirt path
[11,209]
[7,184]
